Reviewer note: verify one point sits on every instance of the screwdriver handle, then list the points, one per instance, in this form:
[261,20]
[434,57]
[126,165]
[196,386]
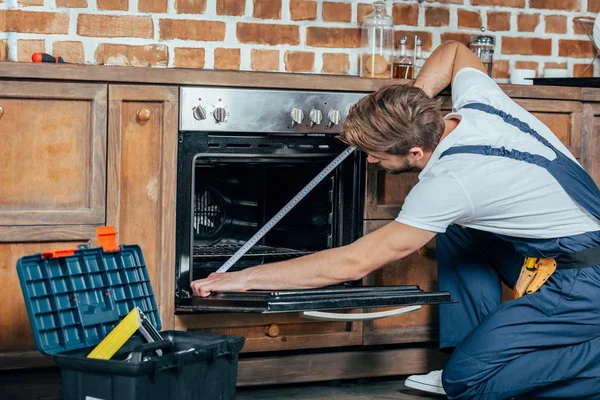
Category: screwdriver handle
[46,58]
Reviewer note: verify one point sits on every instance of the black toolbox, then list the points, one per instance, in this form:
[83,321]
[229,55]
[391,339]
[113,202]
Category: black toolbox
[74,298]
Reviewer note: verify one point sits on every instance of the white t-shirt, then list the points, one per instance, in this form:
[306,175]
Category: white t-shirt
[490,193]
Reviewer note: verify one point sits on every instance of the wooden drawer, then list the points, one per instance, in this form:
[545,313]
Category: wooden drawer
[53,153]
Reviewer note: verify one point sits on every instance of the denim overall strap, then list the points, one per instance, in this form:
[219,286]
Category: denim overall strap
[573,179]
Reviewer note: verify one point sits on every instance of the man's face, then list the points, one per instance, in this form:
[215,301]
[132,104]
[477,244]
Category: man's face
[393,164]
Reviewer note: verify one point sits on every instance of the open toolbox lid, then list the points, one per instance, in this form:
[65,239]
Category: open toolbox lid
[75,297]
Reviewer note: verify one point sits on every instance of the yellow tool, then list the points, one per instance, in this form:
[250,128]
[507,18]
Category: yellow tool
[534,272]
[134,321]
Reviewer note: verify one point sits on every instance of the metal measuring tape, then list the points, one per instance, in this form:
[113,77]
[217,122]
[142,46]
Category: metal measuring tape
[286,209]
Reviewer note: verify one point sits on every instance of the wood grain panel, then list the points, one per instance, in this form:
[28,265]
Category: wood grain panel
[54,153]
[141,181]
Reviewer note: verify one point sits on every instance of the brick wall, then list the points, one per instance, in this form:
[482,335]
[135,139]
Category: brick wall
[286,35]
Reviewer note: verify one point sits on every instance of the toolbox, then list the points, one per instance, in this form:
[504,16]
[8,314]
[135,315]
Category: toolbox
[75,297]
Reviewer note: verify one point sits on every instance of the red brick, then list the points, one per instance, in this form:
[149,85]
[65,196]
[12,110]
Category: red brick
[72,3]
[426,39]
[155,55]
[186,29]
[527,22]
[267,33]
[189,58]
[3,50]
[112,26]
[335,63]
[576,48]
[36,22]
[579,68]
[362,11]
[227,59]
[527,65]
[70,51]
[469,19]
[582,28]
[299,61]
[437,16]
[113,5]
[526,46]
[556,24]
[555,4]
[160,6]
[190,6]
[446,1]
[337,12]
[501,3]
[231,7]
[593,6]
[464,38]
[555,65]
[500,70]
[264,60]
[25,48]
[406,14]
[333,37]
[498,21]
[302,10]
[29,3]
[267,9]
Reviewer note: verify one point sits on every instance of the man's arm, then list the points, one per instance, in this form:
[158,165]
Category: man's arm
[389,243]
[442,66]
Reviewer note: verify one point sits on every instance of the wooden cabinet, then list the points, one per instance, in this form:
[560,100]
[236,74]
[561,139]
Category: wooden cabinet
[590,140]
[53,153]
[142,152]
[53,192]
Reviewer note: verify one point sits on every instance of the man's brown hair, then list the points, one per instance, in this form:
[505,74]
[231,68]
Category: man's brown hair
[393,120]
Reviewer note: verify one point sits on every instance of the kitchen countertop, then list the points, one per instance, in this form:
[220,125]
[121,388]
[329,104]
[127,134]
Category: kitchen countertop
[179,76]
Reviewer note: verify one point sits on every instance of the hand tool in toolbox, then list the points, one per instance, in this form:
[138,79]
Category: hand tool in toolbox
[47,58]
[286,209]
[134,321]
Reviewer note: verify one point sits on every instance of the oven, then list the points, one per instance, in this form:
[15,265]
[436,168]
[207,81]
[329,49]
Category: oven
[242,155]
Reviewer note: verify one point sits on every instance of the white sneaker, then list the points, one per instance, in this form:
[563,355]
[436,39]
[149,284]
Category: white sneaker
[432,382]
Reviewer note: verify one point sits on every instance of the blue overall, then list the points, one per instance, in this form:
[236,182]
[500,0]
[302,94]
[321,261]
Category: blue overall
[545,344]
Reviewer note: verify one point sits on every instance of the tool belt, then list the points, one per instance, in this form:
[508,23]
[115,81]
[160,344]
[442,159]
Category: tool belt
[536,271]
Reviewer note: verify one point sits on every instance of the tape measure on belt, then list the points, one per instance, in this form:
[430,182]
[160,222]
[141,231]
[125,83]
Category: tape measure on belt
[286,209]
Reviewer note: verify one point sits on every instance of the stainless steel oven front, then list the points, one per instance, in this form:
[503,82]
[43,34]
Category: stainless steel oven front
[242,155]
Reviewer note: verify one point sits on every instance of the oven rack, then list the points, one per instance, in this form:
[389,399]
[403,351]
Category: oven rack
[224,251]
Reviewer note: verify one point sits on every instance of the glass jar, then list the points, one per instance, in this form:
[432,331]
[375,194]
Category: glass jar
[483,46]
[377,43]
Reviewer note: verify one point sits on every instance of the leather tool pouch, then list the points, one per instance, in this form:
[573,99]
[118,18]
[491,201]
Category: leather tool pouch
[534,273]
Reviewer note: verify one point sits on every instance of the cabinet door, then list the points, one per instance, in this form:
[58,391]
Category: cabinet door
[53,153]
[590,148]
[416,269]
[17,347]
[385,193]
[142,167]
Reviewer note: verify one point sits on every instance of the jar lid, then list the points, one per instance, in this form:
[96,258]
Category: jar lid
[483,39]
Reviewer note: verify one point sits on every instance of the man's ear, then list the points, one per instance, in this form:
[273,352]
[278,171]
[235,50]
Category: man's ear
[415,153]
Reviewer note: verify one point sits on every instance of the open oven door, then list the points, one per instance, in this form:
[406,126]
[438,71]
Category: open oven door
[319,303]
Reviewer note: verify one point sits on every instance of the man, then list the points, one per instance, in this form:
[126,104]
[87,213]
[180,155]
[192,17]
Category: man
[496,186]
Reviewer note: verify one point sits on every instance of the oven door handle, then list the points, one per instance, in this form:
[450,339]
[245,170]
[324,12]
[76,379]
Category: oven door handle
[329,316]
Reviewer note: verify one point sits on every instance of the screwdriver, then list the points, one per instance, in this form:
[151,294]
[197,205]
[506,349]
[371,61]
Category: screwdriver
[46,58]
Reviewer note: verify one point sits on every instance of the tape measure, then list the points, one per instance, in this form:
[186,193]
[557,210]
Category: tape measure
[286,209]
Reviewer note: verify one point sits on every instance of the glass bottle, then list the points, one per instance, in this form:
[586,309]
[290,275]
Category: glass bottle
[483,46]
[377,43]
[403,65]
[418,60]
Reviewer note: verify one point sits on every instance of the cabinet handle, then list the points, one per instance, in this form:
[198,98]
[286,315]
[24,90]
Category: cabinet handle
[272,330]
[143,115]
[328,316]
[1,111]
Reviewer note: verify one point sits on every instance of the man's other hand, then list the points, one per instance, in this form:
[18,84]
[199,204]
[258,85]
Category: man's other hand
[220,282]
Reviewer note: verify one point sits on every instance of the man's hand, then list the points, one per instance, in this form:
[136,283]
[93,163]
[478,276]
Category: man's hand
[220,282]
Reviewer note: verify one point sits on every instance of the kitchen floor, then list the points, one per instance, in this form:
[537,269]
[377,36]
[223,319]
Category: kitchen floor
[44,384]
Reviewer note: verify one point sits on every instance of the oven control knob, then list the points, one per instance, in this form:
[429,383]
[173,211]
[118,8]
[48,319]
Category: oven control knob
[199,113]
[334,118]
[220,114]
[316,116]
[297,116]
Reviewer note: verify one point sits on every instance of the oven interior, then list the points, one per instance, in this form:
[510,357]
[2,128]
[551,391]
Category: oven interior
[232,201]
